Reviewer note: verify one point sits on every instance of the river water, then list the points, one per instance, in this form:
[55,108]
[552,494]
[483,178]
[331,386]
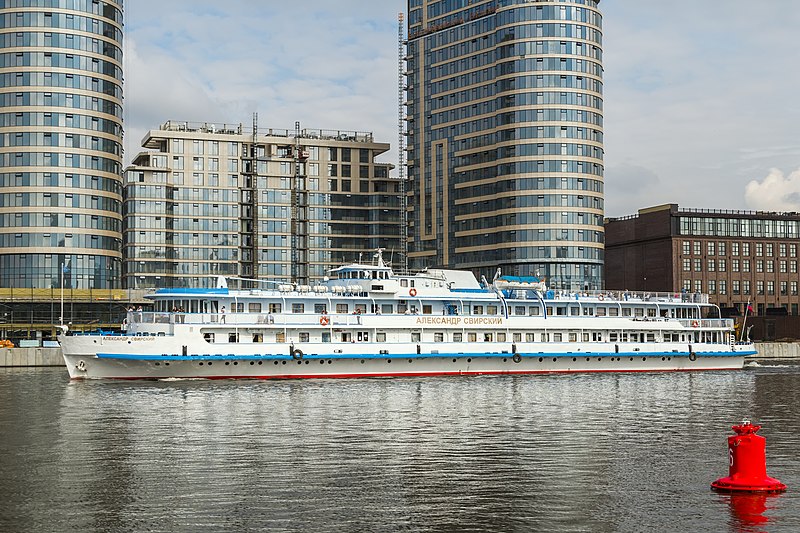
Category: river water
[592,452]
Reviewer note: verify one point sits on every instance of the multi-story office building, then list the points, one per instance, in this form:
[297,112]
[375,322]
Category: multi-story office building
[280,205]
[60,143]
[505,137]
[734,256]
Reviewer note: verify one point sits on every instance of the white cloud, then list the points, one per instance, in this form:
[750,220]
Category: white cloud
[776,192]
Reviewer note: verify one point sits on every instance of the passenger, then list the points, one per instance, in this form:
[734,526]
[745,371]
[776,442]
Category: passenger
[222,315]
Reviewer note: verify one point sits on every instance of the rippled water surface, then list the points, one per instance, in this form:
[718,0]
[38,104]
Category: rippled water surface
[593,453]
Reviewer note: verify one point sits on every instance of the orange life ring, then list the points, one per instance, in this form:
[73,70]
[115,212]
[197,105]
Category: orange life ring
[324,320]
[695,323]
[412,292]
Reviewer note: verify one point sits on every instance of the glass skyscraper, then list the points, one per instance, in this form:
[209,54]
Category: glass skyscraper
[505,137]
[60,143]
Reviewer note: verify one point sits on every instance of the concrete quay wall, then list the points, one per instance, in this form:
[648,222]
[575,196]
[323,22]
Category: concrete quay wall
[11,357]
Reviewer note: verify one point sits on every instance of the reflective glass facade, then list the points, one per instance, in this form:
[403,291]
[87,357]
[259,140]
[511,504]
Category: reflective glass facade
[505,122]
[212,200]
[60,143]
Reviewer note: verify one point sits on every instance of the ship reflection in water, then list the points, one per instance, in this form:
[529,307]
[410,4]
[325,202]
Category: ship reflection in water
[587,453]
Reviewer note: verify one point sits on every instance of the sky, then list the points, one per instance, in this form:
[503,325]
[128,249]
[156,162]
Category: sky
[701,97]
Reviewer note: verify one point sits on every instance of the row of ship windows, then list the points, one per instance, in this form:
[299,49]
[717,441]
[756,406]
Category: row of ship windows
[737,265]
[58,99]
[737,287]
[55,179]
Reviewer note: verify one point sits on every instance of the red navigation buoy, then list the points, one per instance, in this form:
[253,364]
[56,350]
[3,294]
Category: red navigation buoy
[748,463]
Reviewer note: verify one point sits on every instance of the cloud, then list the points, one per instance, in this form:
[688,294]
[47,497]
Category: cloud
[776,192]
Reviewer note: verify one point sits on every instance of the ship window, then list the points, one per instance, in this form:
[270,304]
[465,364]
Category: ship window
[545,337]
[561,311]
[613,337]
[233,337]
[491,309]
[415,336]
[426,310]
[597,336]
[651,337]
[346,337]
[438,336]
[342,309]
[601,311]
[380,336]
[387,309]
[280,337]
[651,312]
[574,311]
[517,337]
[533,311]
[573,337]
[320,308]
[274,308]
[487,337]
[584,336]
[550,311]
[626,311]
[530,337]
[404,283]
[472,337]
[298,308]
[556,337]
[638,311]
[613,311]
[254,308]
[588,311]
[303,336]
[457,337]
[258,337]
[501,337]
[326,336]
[477,309]
[402,308]
[361,309]
[209,337]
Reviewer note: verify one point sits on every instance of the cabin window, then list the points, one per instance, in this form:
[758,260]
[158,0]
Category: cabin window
[550,311]
[626,311]
[347,337]
[623,336]
[651,337]
[380,336]
[601,311]
[427,310]
[545,337]
[457,337]
[303,336]
[237,307]
[597,336]
[402,308]
[477,309]
[415,336]
[561,311]
[651,312]
[280,337]
[274,308]
[517,337]
[534,311]
[487,337]
[519,310]
[530,337]
[254,308]
[613,337]
[613,311]
[233,337]
[320,308]
[387,309]
[584,336]
[298,308]
[491,309]
[573,337]
[575,311]
[258,337]
[361,309]
[363,336]
[438,336]
[209,337]
[341,309]
[638,311]
[588,311]
[472,337]
[326,336]
[404,283]
[556,337]
[501,337]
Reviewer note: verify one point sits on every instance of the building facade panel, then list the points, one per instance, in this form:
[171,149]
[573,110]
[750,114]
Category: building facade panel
[61,143]
[505,142]
[283,205]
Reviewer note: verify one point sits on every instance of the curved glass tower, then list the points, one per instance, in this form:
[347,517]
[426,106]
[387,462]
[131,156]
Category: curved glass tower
[60,143]
[505,137]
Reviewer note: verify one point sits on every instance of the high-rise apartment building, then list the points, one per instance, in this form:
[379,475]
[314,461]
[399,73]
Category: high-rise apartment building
[279,205]
[60,143]
[505,137]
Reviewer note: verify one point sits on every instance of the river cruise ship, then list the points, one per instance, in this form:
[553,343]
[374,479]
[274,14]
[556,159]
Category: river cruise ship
[364,320]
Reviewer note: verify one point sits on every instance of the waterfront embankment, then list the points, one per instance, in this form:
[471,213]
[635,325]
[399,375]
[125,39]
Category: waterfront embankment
[11,357]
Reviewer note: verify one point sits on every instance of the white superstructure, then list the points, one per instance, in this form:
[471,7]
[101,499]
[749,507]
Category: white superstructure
[368,321]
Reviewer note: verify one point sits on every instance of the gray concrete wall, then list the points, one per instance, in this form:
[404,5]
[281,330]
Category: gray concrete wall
[31,357]
[52,356]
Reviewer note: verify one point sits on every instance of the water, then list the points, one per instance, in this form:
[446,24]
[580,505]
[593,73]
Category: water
[593,453]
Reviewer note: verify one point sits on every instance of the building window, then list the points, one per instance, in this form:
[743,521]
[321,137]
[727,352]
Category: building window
[746,286]
[698,265]
[745,265]
[793,287]
[734,265]
[770,287]
[698,285]
[687,265]
[784,288]
[721,248]
[792,250]
[712,286]
[723,286]
[770,250]
[711,247]
[735,286]
[721,265]
[793,267]
[782,249]
[759,265]
[734,248]
[782,266]
[711,265]
[687,248]
[745,248]
[759,249]
[759,287]
[770,265]
[698,248]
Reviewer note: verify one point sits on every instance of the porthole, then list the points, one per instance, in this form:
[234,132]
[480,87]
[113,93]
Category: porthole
[587,359]
[469,359]
[663,358]
[555,359]
[505,360]
[541,359]
[210,363]
[362,361]
[299,362]
[235,363]
[631,358]
[388,360]
[410,361]
[308,362]
[201,363]
[644,358]
[276,363]
[454,360]
[227,363]
[321,362]
[259,362]
[166,364]
[158,364]
[330,361]
[599,358]
[283,362]
[574,359]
